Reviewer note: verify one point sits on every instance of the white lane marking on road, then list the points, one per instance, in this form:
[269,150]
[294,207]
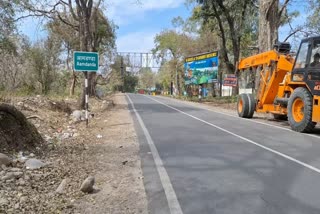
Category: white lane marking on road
[173,202]
[251,120]
[243,138]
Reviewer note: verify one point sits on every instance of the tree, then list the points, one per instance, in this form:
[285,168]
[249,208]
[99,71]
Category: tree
[270,19]
[44,61]
[174,45]
[229,17]
[164,76]
[7,25]
[130,83]
[313,20]
[13,61]
[82,13]
[103,35]
[147,78]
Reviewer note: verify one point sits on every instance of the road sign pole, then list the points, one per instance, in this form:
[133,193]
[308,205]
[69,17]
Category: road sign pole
[86,96]
[86,62]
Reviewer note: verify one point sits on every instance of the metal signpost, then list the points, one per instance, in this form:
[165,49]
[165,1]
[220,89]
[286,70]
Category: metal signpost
[86,62]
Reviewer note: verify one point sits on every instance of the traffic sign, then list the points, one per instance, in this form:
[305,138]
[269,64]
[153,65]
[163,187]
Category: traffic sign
[85,61]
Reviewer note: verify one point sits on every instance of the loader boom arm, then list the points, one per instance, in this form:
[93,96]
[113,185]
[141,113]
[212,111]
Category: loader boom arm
[272,67]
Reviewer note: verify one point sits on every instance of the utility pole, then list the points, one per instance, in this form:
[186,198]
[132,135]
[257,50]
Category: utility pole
[177,78]
[122,74]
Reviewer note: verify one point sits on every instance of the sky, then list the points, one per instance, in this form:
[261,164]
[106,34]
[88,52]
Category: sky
[140,22]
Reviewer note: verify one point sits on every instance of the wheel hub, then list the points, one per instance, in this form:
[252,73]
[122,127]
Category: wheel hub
[298,110]
[240,105]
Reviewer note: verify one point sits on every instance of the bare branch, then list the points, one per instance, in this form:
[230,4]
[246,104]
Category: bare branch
[292,33]
[76,27]
[283,8]
[26,16]
[72,11]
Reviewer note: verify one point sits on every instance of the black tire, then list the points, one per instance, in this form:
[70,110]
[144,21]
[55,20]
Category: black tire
[245,105]
[305,124]
[252,105]
[280,117]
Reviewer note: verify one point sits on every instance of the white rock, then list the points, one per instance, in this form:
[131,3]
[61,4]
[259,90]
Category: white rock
[5,160]
[62,186]
[78,115]
[99,136]
[34,164]
[66,136]
[83,117]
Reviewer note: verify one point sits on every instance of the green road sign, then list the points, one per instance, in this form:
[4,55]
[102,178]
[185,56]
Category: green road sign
[85,61]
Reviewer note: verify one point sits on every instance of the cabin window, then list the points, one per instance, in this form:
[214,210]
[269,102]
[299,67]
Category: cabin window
[302,56]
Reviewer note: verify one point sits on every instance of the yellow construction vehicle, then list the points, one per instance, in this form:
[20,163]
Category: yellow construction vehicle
[288,86]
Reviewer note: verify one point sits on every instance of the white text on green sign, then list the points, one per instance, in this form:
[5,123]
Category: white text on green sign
[85,61]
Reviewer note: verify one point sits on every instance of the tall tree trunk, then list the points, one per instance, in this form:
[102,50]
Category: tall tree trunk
[268,24]
[268,29]
[85,43]
[73,83]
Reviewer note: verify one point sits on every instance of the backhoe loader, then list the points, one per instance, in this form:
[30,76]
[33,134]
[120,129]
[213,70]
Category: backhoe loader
[288,86]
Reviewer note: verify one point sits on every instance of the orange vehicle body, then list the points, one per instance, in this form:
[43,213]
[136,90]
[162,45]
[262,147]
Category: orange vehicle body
[276,82]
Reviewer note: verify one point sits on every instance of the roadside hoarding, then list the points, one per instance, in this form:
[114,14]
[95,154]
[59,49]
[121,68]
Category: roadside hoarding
[201,69]
[230,80]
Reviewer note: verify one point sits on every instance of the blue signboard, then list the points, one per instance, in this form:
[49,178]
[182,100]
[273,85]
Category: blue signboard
[85,61]
[201,69]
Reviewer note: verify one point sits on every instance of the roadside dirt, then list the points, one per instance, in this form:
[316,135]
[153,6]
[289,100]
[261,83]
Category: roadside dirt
[117,165]
[108,150]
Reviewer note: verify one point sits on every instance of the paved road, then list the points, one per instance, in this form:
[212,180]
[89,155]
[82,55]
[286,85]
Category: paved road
[199,161]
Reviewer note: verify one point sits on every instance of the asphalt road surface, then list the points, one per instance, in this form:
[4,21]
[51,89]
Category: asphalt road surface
[200,161]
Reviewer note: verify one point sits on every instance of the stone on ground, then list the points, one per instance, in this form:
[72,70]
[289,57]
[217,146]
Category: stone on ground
[87,185]
[34,164]
[5,160]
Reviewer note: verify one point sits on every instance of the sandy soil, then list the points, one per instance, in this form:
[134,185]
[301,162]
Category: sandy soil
[108,150]
[117,165]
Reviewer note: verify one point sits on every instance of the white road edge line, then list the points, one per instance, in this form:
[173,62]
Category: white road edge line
[171,196]
[249,120]
[243,138]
